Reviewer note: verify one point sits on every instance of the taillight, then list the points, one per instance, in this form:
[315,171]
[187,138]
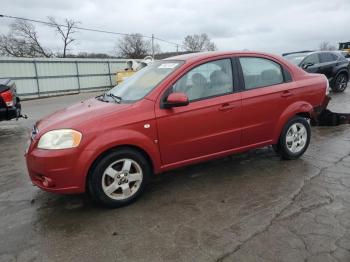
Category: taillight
[7,97]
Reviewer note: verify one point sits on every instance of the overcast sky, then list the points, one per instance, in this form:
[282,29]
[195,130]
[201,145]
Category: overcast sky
[266,25]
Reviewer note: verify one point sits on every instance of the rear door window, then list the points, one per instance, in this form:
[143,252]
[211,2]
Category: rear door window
[327,57]
[260,72]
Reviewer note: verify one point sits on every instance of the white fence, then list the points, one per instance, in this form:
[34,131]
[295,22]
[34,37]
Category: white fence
[51,76]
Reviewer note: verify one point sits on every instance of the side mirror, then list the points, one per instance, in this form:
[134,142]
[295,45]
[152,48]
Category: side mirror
[305,66]
[175,100]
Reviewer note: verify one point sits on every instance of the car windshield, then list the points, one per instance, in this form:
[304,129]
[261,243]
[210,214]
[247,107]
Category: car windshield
[296,58]
[142,82]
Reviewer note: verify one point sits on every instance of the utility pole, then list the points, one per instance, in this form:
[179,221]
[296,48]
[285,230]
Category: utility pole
[177,49]
[153,46]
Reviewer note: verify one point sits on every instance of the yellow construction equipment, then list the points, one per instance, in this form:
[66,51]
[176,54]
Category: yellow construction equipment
[345,46]
[132,66]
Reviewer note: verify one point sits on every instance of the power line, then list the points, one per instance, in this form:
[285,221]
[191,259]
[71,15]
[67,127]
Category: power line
[87,29]
[166,41]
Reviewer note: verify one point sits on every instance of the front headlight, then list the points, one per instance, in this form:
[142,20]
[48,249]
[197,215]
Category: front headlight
[60,139]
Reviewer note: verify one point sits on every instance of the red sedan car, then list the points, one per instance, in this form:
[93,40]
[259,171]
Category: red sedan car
[175,112]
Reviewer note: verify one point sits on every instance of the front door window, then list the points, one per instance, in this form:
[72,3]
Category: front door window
[207,80]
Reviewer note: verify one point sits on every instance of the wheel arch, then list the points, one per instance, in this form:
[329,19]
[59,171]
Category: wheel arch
[106,142]
[300,108]
[114,148]
[342,71]
[305,115]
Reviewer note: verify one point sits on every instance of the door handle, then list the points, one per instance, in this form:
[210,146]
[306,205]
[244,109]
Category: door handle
[286,94]
[226,107]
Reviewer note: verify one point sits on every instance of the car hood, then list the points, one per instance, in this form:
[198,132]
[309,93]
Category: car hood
[81,114]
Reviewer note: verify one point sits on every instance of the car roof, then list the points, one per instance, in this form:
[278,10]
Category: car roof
[194,57]
[312,52]
[298,52]
[5,82]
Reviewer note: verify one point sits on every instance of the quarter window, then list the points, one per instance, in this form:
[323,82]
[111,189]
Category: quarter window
[259,72]
[206,80]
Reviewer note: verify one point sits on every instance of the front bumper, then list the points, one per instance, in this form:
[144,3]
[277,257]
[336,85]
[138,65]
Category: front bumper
[59,171]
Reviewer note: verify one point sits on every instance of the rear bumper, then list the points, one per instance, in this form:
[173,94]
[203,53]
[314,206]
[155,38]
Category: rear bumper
[9,113]
[318,110]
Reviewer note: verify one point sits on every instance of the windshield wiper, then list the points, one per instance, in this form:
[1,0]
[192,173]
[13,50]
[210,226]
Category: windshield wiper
[116,98]
[101,98]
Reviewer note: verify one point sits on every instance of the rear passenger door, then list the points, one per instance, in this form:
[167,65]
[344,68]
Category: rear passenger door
[268,90]
[328,62]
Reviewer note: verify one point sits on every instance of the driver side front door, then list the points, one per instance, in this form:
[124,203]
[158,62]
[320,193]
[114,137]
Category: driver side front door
[209,124]
[314,61]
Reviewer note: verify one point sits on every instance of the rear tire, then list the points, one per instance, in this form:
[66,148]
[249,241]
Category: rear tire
[340,83]
[295,138]
[119,177]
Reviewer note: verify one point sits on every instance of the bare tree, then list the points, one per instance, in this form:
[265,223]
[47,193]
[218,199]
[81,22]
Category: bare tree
[135,46]
[23,41]
[326,46]
[198,43]
[65,31]
[10,46]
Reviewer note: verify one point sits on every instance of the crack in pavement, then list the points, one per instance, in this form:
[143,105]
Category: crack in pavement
[291,202]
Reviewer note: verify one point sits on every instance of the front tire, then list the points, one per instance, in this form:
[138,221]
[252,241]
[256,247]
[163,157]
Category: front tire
[119,177]
[295,138]
[340,83]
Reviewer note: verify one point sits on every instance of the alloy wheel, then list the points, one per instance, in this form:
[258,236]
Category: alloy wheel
[341,82]
[122,179]
[296,138]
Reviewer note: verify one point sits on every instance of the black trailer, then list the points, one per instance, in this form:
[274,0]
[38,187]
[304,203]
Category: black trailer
[10,105]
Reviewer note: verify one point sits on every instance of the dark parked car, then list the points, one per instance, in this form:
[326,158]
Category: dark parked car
[332,64]
[10,106]
[345,54]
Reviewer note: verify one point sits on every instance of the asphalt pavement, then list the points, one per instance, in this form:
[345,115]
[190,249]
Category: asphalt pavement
[246,207]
